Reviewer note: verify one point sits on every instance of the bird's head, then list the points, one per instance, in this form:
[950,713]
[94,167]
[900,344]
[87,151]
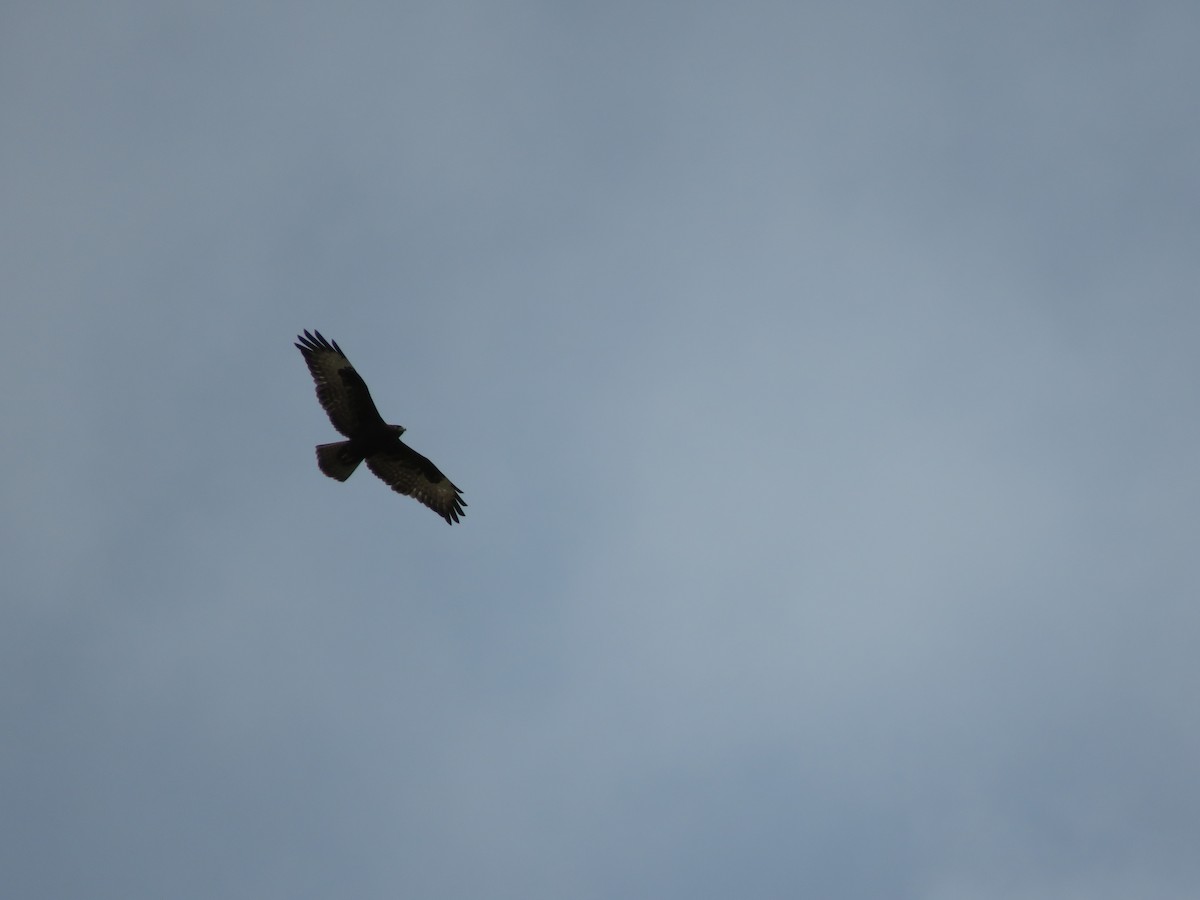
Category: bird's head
[399,429]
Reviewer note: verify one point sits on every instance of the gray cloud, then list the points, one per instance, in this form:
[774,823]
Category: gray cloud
[818,378]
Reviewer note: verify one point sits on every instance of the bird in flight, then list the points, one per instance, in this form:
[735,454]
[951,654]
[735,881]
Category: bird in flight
[347,401]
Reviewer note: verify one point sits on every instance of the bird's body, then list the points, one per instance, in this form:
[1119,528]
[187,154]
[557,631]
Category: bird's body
[346,399]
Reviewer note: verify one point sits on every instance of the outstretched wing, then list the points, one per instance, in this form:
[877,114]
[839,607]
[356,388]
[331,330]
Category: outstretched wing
[340,389]
[408,472]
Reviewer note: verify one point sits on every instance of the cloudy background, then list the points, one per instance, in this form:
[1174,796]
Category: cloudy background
[821,377]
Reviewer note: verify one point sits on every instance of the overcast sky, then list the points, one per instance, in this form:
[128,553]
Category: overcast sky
[822,379]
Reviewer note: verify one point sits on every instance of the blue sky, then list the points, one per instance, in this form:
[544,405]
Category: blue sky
[820,378]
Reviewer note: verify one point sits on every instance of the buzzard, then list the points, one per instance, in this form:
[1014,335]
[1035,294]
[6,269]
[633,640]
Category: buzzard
[345,397]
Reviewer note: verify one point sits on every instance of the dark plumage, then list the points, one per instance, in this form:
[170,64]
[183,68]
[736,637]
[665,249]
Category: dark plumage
[345,397]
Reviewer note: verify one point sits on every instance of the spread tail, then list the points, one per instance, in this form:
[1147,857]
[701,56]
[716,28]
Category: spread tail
[338,460]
